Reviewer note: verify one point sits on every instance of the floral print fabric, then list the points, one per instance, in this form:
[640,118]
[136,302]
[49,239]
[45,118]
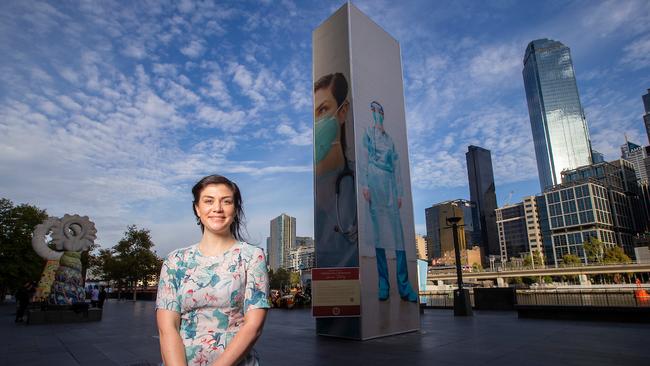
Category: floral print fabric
[212,294]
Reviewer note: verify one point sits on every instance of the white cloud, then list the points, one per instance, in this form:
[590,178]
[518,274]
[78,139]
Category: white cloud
[216,88]
[194,49]
[225,120]
[262,88]
[637,54]
[169,70]
[500,64]
[610,16]
[302,138]
[136,50]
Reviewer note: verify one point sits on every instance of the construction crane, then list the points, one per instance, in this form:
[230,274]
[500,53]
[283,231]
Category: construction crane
[507,202]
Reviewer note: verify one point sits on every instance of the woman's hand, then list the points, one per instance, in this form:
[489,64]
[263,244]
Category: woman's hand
[244,340]
[171,343]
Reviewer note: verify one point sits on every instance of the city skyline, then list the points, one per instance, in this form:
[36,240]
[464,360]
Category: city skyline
[115,110]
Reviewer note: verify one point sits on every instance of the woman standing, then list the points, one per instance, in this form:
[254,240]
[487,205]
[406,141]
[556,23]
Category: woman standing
[212,296]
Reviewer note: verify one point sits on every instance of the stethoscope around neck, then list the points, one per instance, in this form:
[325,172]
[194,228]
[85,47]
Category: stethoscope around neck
[350,231]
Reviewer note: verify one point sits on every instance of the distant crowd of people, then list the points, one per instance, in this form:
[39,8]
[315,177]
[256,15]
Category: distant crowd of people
[25,293]
[97,296]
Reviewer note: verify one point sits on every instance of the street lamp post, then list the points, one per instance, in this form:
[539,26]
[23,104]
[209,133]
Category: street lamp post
[462,304]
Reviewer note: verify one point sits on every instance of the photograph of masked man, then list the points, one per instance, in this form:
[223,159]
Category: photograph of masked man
[383,190]
[335,219]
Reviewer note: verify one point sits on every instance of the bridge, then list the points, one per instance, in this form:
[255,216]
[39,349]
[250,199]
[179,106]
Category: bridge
[547,271]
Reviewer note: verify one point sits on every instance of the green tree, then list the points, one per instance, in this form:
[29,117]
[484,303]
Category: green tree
[615,254]
[594,249]
[477,267]
[294,278]
[279,278]
[132,260]
[571,260]
[536,257]
[87,258]
[18,261]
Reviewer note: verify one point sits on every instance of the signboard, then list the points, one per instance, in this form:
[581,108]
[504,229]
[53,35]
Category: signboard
[336,292]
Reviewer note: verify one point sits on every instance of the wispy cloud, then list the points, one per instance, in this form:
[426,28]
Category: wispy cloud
[637,54]
[114,109]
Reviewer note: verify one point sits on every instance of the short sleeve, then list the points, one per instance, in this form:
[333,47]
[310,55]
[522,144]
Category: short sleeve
[257,282]
[168,296]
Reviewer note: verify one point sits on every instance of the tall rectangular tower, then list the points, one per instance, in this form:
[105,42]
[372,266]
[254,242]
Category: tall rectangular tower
[281,241]
[482,192]
[646,115]
[364,284]
[560,133]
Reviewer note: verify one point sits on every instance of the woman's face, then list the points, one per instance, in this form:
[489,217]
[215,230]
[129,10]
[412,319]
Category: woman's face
[216,208]
[325,105]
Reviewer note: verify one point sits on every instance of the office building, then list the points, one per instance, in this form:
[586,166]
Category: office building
[597,157]
[560,133]
[421,247]
[511,223]
[646,114]
[483,194]
[281,241]
[440,240]
[595,200]
[519,229]
[636,155]
[302,257]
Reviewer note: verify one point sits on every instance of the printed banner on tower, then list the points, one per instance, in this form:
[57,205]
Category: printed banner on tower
[363,206]
[335,198]
[388,260]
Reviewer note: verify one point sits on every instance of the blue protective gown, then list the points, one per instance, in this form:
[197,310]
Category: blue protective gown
[383,179]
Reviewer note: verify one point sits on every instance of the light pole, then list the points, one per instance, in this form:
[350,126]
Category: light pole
[462,304]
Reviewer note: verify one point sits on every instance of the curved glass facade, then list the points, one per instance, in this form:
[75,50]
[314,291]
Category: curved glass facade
[560,133]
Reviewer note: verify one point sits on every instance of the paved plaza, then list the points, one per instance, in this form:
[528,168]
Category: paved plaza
[127,336]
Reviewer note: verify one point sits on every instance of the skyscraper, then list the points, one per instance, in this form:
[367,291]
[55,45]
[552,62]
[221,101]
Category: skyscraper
[281,241]
[482,193]
[636,155]
[646,115]
[519,229]
[439,239]
[560,133]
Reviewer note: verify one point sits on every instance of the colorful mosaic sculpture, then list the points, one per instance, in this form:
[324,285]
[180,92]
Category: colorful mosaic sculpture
[61,281]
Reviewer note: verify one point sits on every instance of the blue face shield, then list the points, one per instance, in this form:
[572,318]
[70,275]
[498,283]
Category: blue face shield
[325,130]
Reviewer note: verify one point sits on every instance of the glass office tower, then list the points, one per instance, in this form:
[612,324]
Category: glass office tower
[646,115]
[482,192]
[560,132]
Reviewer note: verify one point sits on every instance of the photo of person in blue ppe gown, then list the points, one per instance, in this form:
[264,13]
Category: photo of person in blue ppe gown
[383,190]
[335,206]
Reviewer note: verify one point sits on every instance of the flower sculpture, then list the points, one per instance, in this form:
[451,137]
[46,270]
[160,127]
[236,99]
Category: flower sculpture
[61,281]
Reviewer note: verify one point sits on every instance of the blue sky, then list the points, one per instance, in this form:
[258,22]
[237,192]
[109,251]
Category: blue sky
[115,109]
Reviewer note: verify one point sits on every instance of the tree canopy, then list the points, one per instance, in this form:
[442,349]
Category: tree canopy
[571,260]
[615,254]
[594,249]
[130,261]
[18,261]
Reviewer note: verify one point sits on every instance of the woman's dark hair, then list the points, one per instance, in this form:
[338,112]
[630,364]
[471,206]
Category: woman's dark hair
[337,84]
[237,226]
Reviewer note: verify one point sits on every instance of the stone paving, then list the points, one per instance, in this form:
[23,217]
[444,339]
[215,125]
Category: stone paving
[127,335]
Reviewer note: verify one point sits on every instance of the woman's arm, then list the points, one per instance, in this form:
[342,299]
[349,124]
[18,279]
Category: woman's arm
[244,340]
[171,344]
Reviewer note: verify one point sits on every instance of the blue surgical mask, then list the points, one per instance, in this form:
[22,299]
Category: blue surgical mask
[325,130]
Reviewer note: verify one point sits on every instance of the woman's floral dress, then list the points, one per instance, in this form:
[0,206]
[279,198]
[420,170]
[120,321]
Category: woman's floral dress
[212,294]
